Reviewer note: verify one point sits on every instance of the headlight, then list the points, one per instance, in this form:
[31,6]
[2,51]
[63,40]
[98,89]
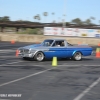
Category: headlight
[23,50]
[26,51]
[32,51]
[20,50]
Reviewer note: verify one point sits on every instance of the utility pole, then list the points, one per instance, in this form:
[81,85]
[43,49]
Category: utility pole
[64,14]
[99,22]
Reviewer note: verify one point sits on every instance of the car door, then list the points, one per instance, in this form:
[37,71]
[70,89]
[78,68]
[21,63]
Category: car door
[57,49]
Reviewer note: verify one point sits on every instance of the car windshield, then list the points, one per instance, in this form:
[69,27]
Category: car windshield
[47,42]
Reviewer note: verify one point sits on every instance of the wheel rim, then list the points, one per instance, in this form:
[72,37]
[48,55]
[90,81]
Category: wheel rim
[40,56]
[78,56]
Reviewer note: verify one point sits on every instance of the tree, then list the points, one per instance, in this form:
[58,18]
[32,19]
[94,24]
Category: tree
[38,17]
[35,17]
[0,18]
[92,18]
[88,21]
[5,18]
[76,21]
[19,20]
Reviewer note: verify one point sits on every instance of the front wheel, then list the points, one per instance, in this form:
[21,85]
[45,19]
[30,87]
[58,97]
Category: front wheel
[77,56]
[25,58]
[39,56]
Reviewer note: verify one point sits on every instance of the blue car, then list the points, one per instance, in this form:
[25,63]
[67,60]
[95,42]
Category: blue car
[50,48]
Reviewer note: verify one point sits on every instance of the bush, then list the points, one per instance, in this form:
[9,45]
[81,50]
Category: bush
[29,31]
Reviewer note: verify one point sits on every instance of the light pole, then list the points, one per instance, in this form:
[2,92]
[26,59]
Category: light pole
[64,15]
[58,19]
[99,22]
[45,14]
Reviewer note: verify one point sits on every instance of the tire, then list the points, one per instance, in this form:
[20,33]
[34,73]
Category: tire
[25,58]
[39,56]
[77,56]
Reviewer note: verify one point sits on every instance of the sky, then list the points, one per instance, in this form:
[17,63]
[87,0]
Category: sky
[27,9]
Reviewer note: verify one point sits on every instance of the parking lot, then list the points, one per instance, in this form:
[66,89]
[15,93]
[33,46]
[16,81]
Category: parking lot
[31,80]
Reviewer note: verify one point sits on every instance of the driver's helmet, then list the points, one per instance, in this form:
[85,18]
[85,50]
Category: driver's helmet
[47,44]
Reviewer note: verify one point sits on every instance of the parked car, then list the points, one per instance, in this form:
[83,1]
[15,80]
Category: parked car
[50,48]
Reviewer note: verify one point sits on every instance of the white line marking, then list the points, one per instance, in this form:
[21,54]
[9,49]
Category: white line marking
[3,45]
[87,90]
[79,65]
[10,63]
[51,65]
[5,99]
[24,65]
[7,50]
[7,57]
[25,77]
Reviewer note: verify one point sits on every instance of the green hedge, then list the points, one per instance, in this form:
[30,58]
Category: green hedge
[30,31]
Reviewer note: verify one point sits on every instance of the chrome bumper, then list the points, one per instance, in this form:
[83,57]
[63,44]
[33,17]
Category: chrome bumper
[26,55]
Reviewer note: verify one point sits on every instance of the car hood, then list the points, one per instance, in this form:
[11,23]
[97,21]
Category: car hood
[32,46]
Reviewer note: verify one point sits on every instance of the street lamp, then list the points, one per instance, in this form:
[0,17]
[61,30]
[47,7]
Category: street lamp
[99,22]
[64,11]
[45,14]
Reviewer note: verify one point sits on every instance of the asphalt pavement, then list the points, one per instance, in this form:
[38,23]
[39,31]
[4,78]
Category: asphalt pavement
[31,80]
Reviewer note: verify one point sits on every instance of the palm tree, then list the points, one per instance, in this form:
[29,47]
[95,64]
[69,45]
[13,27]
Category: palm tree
[45,14]
[38,17]
[35,17]
[92,18]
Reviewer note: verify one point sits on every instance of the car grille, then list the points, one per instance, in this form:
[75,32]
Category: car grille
[24,51]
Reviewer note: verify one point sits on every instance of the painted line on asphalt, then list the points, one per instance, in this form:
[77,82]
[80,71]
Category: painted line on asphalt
[5,99]
[7,57]
[10,63]
[79,97]
[17,65]
[57,65]
[25,77]
[7,51]
[4,45]
[79,65]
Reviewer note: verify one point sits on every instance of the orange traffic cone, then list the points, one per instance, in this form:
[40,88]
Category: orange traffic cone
[98,53]
[37,43]
[12,41]
[17,53]
[99,44]
[79,43]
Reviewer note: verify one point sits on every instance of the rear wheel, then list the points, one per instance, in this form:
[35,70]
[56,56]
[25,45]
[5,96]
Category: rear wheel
[39,56]
[77,56]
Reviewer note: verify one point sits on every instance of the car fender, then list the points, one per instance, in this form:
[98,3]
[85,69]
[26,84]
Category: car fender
[38,51]
[76,51]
